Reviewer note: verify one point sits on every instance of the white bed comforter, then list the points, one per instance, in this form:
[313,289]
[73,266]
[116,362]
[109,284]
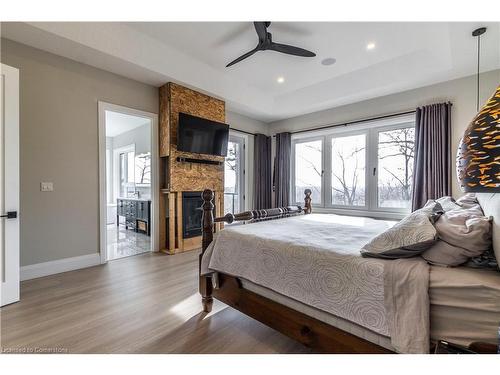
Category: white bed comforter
[315,260]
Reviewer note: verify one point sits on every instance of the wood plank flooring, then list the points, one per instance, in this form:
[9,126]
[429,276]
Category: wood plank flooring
[142,304]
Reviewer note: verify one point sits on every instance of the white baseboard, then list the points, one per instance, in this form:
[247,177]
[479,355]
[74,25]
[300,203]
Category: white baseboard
[34,271]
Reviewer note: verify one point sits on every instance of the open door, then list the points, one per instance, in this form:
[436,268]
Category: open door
[9,184]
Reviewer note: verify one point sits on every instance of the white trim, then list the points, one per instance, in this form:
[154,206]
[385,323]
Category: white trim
[155,169]
[53,267]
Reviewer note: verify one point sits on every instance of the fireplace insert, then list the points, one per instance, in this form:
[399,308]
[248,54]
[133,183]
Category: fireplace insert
[191,213]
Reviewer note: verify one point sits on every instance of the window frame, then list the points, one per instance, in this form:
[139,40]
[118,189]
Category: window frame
[116,168]
[374,179]
[241,167]
[372,130]
[299,140]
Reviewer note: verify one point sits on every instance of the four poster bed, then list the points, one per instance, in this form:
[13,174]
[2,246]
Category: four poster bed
[302,274]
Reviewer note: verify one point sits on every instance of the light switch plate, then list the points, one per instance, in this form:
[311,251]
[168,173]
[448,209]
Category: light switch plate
[46,186]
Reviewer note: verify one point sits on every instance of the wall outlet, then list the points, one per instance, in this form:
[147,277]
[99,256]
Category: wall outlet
[46,186]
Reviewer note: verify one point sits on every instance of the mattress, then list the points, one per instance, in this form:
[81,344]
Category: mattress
[465,304]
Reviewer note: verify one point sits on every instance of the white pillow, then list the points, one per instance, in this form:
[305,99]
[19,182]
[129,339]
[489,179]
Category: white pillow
[463,233]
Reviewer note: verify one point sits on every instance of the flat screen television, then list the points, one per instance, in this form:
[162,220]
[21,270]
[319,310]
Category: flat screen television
[202,136]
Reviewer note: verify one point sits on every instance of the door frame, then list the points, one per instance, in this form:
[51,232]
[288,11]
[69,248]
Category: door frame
[10,187]
[155,183]
[242,140]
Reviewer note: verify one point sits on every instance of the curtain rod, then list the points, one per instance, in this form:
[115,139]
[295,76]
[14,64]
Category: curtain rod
[352,122]
[241,131]
[340,124]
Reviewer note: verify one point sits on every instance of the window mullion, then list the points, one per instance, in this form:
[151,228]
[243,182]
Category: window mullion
[327,168]
[372,170]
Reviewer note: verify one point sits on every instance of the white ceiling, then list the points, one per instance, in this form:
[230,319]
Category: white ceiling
[406,56]
[119,123]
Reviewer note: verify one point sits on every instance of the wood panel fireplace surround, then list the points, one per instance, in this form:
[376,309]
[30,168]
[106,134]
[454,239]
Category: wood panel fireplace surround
[185,175]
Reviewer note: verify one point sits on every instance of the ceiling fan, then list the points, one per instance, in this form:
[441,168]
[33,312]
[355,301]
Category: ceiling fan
[266,43]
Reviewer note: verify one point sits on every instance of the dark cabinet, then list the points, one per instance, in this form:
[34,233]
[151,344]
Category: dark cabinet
[137,214]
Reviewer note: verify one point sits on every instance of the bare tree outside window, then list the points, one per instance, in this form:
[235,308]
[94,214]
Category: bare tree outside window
[395,160]
[143,168]
[231,178]
[308,169]
[348,170]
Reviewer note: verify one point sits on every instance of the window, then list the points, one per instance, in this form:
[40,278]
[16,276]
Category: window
[348,170]
[143,169]
[127,172]
[363,167]
[234,172]
[308,169]
[395,163]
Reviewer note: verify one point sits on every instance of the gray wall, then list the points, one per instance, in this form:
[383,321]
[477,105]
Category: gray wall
[140,136]
[59,143]
[461,92]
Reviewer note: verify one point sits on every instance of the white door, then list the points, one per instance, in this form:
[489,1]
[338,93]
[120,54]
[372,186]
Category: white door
[9,184]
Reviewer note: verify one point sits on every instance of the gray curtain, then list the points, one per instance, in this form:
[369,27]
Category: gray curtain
[282,170]
[262,172]
[432,169]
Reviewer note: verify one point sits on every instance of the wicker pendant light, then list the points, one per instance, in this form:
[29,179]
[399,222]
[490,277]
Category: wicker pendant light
[478,157]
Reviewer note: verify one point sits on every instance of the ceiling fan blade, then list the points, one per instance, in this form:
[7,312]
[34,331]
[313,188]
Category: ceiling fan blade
[261,29]
[242,57]
[291,50]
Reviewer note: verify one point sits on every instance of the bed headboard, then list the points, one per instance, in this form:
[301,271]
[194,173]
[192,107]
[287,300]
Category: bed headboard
[490,203]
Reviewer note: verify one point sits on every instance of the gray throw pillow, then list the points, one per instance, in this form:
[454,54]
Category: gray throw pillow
[409,237]
[463,233]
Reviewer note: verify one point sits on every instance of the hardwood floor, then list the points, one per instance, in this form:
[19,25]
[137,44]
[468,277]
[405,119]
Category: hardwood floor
[143,304]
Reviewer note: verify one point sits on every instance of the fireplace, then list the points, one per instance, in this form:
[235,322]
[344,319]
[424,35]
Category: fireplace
[191,214]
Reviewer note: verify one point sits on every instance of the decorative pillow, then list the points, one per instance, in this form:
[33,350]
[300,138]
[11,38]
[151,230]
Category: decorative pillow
[448,203]
[469,200]
[409,237]
[463,233]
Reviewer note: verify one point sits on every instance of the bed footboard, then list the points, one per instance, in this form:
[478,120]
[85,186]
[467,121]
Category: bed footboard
[208,221]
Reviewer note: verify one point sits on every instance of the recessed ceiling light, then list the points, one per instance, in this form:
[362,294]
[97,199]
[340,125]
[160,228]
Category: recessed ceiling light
[280,79]
[370,46]
[328,61]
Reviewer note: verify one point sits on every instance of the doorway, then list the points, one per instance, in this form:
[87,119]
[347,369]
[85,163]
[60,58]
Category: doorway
[128,154]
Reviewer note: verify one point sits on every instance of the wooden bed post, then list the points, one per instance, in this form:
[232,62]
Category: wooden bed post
[207,237]
[208,228]
[307,201]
